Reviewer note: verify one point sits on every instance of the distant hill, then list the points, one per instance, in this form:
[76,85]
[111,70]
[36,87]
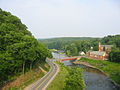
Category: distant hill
[59,43]
[67,39]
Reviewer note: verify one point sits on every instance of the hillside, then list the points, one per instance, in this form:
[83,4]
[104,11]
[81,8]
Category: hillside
[58,43]
[19,50]
[68,39]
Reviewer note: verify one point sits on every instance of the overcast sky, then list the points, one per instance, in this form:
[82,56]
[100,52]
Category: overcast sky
[62,18]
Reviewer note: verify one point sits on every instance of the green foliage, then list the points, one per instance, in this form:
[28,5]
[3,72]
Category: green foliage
[59,82]
[74,80]
[67,79]
[59,43]
[19,50]
[72,46]
[113,40]
[71,50]
[114,55]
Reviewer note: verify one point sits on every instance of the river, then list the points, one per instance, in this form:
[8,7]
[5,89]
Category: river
[94,79]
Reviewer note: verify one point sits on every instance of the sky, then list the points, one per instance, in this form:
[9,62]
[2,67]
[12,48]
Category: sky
[67,18]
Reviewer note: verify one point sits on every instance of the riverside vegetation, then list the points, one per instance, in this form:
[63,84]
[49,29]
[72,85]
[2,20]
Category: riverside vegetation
[112,69]
[19,50]
[67,79]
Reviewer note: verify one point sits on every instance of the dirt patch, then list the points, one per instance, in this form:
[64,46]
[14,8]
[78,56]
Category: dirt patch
[42,70]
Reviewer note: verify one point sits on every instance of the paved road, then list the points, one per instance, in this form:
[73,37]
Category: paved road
[45,81]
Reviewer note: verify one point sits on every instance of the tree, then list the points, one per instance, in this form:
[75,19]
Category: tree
[114,55]
[19,50]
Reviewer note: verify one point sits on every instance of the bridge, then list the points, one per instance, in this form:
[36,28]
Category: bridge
[70,58]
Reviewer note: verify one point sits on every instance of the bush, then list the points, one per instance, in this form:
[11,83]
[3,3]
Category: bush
[74,80]
[114,56]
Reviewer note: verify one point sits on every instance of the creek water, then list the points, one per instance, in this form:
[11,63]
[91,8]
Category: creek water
[94,79]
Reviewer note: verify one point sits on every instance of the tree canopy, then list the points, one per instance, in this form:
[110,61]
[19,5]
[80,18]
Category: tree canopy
[19,50]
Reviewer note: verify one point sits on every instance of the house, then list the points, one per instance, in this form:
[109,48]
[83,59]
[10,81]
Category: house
[101,54]
[82,53]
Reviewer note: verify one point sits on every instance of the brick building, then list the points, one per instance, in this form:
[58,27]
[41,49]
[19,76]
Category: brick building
[101,54]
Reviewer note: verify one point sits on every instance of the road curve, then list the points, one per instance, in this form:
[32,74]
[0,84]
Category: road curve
[42,83]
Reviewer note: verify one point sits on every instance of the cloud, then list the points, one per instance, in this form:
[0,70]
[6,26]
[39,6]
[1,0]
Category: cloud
[51,18]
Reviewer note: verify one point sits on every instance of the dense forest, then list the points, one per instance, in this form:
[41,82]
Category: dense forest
[114,55]
[111,40]
[73,46]
[58,43]
[19,50]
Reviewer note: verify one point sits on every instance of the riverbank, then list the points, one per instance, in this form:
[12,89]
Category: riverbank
[29,77]
[64,77]
[111,69]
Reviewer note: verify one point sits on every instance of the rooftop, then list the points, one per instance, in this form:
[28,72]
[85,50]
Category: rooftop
[100,53]
[107,46]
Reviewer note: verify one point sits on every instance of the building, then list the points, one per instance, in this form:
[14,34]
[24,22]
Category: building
[101,54]
[98,55]
[106,48]
[82,53]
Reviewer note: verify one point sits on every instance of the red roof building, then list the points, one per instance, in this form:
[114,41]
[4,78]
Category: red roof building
[101,54]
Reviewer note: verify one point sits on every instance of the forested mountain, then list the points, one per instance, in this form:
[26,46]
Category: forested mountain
[19,50]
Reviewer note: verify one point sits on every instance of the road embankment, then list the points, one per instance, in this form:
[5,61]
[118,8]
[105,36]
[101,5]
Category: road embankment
[29,77]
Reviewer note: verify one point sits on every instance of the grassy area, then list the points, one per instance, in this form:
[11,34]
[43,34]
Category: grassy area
[29,77]
[64,77]
[58,82]
[110,68]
